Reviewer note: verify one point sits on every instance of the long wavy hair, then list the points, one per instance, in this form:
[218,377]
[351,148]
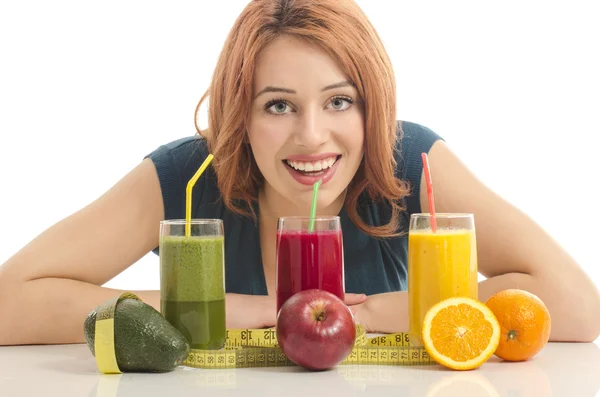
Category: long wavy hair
[342,29]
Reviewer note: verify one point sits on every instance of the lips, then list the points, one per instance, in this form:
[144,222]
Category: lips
[309,169]
[312,166]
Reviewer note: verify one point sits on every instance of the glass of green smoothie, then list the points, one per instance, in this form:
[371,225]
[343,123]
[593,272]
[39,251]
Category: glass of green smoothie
[192,280]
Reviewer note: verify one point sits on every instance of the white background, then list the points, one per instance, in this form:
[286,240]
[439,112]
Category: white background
[88,88]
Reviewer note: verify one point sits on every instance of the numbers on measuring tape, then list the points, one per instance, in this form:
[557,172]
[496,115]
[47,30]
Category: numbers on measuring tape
[270,335]
[372,355]
[384,355]
[258,348]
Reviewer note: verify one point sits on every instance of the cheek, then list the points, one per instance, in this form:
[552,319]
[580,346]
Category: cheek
[265,140]
[360,141]
[355,144]
[352,134]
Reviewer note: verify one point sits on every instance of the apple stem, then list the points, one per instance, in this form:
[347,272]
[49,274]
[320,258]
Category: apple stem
[321,316]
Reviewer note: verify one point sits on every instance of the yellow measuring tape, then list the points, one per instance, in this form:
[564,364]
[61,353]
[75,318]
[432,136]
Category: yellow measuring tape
[258,348]
[246,348]
[104,336]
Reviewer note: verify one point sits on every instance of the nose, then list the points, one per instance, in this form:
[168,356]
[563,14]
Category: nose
[310,131]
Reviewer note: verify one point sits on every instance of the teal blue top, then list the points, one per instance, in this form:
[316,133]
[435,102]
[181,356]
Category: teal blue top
[371,265]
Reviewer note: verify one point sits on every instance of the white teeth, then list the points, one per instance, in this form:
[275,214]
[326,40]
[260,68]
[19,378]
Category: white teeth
[312,166]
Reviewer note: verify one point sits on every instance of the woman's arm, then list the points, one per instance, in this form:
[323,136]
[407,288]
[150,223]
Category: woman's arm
[513,252]
[388,312]
[49,286]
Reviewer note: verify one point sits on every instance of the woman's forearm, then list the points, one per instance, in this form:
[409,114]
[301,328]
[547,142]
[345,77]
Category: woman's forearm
[53,310]
[573,317]
[573,307]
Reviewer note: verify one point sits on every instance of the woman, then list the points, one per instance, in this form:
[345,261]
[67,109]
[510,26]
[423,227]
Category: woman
[296,81]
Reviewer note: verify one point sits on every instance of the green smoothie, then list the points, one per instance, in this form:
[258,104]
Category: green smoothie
[193,289]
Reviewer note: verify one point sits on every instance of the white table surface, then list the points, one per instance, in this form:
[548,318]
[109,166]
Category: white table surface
[561,369]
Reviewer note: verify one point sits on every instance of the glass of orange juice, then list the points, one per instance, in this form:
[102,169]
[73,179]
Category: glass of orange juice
[441,264]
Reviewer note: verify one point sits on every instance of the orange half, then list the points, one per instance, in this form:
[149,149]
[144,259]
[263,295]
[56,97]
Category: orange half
[460,333]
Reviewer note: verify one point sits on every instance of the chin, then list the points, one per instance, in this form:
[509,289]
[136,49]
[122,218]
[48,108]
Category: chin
[300,197]
[325,201]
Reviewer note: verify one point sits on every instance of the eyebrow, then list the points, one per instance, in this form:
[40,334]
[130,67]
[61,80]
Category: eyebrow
[270,88]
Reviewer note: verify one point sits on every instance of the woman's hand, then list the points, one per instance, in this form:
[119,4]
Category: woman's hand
[356,303]
[384,313]
[259,311]
[355,299]
[250,311]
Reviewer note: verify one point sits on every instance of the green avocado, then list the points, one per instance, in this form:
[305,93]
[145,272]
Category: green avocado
[144,340]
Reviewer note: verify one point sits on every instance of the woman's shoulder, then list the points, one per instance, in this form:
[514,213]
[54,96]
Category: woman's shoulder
[182,152]
[412,140]
[176,162]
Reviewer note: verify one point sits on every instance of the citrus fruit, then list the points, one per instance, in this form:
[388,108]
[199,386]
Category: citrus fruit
[524,323]
[460,333]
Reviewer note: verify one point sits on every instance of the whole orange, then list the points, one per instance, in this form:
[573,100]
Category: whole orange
[524,324]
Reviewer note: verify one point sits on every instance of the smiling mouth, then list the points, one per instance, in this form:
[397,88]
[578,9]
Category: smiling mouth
[312,168]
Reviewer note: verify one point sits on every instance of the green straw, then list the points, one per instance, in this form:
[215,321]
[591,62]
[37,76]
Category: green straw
[313,207]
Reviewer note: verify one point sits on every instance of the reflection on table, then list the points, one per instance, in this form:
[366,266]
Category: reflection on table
[561,369]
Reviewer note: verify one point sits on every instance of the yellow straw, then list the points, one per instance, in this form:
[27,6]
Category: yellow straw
[188,193]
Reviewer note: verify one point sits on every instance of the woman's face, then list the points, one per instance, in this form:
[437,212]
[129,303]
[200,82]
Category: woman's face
[306,124]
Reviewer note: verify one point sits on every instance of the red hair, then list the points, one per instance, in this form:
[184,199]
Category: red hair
[342,29]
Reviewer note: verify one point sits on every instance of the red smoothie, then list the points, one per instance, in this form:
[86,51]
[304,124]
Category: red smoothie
[309,260]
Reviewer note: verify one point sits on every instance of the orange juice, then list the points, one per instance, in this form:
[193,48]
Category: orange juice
[440,265]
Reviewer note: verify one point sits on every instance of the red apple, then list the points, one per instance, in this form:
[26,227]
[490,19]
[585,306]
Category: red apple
[315,329]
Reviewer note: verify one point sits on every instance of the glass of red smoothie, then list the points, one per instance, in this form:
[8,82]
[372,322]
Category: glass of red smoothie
[309,260]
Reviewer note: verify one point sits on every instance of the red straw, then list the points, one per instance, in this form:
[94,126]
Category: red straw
[429,191]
